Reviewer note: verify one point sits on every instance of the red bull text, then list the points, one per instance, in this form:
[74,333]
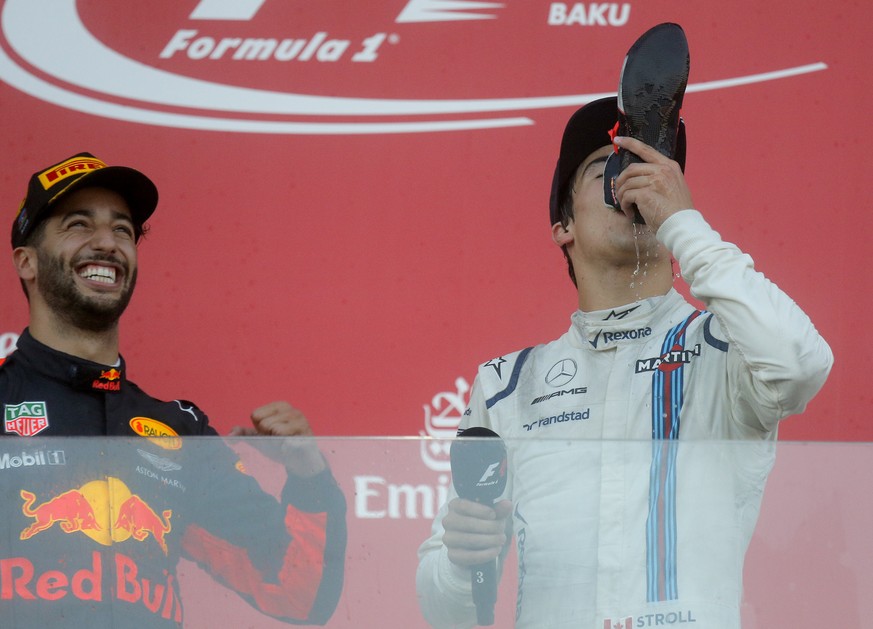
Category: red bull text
[20,581]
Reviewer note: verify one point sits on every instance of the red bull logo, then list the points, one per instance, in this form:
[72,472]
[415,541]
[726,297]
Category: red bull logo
[111,375]
[71,511]
[138,519]
[106,511]
[109,380]
[20,580]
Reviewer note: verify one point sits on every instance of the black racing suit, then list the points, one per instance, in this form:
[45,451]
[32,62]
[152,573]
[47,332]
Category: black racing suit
[93,529]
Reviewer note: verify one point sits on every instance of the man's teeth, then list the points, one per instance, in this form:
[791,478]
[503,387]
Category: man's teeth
[99,274]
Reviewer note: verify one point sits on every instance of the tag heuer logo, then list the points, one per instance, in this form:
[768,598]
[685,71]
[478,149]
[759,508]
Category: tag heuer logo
[26,419]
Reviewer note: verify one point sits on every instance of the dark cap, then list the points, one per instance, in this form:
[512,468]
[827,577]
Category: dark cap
[83,170]
[586,131]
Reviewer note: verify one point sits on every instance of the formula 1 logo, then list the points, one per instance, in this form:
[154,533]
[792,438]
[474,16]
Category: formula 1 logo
[415,10]
[69,64]
[491,471]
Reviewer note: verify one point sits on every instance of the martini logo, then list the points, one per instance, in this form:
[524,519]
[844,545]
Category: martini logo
[157,432]
[26,419]
[155,90]
[668,361]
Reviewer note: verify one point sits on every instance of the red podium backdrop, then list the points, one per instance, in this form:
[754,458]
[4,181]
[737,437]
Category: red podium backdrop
[354,195]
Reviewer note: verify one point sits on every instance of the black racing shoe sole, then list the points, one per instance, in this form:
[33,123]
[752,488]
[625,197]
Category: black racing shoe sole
[650,93]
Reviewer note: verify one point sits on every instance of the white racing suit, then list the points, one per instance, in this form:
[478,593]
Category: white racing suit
[639,443]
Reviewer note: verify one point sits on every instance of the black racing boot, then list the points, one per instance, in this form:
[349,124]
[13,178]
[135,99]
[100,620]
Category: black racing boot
[651,88]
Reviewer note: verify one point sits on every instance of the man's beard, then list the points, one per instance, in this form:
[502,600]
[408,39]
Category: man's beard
[58,288]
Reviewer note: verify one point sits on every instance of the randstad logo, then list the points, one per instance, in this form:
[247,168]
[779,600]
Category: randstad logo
[219,35]
[566,416]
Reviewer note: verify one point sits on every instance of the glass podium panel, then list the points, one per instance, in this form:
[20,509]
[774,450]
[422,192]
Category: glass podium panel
[207,532]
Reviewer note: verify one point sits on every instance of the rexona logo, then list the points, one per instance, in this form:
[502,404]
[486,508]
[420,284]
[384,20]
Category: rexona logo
[145,90]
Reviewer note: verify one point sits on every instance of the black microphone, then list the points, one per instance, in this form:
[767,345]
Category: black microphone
[479,474]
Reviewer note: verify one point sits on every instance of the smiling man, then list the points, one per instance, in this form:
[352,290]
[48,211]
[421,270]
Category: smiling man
[83,266]
[97,532]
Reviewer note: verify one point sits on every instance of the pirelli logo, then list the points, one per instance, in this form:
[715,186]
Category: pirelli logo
[69,168]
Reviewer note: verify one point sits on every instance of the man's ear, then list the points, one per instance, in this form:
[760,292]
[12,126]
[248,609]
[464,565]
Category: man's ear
[561,235]
[24,259]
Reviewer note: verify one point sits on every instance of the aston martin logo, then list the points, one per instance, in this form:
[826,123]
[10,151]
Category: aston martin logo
[159,462]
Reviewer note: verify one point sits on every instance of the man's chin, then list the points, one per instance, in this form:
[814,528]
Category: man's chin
[97,314]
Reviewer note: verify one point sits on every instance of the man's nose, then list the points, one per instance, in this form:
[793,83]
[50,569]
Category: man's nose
[104,238]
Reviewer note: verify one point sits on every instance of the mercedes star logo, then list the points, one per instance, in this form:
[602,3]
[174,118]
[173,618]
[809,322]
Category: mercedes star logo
[561,372]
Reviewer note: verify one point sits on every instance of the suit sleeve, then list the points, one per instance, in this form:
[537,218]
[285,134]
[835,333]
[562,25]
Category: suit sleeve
[777,361]
[285,557]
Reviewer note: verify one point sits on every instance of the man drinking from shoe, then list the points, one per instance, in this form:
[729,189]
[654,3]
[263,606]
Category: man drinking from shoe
[638,442]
